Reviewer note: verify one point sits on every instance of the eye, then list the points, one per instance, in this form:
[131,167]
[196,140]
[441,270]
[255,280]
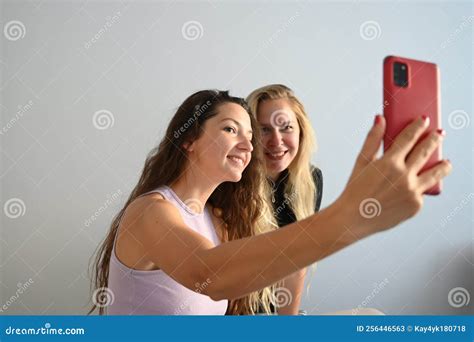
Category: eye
[230,129]
[265,130]
[287,128]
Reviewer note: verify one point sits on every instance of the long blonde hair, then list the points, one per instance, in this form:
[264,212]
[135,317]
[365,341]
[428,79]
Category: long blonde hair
[300,186]
[244,206]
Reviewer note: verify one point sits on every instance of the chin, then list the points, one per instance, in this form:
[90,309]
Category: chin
[234,177]
[278,168]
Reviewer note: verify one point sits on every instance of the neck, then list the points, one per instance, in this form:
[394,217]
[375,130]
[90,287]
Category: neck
[194,189]
[275,175]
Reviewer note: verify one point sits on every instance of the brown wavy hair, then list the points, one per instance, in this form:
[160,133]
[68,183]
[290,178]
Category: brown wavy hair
[243,206]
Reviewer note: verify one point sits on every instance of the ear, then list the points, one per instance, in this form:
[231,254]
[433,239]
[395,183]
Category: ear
[189,147]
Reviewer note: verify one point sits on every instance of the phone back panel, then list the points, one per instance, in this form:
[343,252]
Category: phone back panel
[402,105]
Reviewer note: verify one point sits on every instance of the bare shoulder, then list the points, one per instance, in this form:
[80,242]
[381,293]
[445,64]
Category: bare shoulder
[146,209]
[144,222]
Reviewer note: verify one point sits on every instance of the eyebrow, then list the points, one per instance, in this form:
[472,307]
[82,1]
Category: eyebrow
[237,123]
[270,125]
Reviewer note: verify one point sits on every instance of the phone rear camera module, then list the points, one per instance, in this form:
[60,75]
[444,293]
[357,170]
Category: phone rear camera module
[400,74]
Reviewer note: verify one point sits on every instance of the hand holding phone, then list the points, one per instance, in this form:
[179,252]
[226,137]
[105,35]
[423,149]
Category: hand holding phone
[411,90]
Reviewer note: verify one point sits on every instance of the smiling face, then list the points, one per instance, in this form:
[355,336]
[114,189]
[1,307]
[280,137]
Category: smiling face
[280,135]
[223,150]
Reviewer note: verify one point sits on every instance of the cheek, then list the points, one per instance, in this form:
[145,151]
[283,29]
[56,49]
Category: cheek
[265,139]
[293,142]
[219,146]
[208,150]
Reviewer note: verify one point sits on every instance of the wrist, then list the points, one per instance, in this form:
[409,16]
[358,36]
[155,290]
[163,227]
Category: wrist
[345,213]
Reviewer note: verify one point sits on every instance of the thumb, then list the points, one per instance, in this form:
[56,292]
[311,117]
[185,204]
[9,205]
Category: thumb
[371,145]
[373,141]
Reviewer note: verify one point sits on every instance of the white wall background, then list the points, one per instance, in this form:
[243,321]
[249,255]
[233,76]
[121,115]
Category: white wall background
[65,61]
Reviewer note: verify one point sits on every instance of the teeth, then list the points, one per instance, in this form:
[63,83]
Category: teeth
[276,155]
[237,160]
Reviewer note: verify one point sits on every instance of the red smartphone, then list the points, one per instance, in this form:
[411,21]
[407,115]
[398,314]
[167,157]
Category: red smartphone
[411,88]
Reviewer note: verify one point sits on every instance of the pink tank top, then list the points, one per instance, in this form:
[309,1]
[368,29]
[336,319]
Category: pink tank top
[135,292]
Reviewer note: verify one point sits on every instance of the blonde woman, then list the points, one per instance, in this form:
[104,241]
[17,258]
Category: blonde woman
[289,142]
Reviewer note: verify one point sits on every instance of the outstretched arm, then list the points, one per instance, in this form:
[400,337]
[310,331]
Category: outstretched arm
[238,267]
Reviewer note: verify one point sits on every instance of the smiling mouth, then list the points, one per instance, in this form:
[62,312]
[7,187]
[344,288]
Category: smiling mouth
[276,156]
[236,160]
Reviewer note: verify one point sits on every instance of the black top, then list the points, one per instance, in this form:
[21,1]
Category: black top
[280,201]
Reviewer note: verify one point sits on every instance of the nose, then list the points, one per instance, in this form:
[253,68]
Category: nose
[275,138]
[245,144]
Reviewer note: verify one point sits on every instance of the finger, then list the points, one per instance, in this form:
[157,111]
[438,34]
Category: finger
[408,137]
[373,141]
[423,151]
[431,177]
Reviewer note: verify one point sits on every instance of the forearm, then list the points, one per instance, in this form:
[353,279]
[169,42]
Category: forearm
[242,266]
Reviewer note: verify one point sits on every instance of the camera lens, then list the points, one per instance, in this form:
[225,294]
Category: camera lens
[400,74]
